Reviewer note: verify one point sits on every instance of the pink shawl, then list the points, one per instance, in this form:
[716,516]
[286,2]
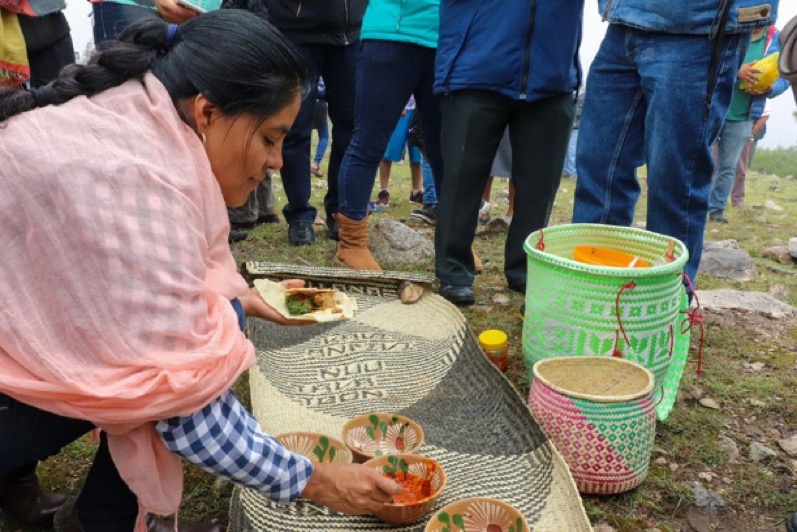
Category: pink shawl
[116,275]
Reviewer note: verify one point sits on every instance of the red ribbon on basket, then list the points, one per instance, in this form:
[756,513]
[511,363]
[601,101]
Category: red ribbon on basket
[694,316]
[541,242]
[616,351]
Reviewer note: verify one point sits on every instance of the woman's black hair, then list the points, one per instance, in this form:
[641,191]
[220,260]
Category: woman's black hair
[239,62]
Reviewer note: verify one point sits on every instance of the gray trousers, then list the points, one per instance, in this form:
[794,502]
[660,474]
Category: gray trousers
[259,204]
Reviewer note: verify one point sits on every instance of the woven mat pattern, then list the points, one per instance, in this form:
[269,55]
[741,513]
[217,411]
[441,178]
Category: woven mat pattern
[421,361]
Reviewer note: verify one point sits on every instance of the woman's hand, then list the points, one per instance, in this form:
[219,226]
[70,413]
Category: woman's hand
[352,489]
[748,74]
[171,11]
[254,305]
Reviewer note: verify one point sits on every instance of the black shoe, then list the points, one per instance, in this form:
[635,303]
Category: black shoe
[243,225]
[22,498]
[791,523]
[268,219]
[459,295]
[301,233]
[520,288]
[237,236]
[718,216]
[333,230]
[428,214]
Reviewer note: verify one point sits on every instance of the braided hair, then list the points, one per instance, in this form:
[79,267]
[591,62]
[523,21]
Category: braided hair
[239,62]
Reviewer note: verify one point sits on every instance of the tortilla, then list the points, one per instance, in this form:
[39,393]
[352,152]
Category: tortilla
[333,305]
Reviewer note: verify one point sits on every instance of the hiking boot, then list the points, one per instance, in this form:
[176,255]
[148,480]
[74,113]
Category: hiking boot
[237,235]
[301,233]
[22,498]
[427,214]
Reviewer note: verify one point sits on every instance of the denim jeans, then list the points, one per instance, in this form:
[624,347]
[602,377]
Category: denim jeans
[645,102]
[733,136]
[323,141]
[429,191]
[382,92]
[569,169]
[337,65]
[111,19]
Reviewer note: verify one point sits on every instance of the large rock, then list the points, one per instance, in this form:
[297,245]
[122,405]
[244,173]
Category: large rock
[760,452]
[759,302]
[793,248]
[789,445]
[724,259]
[394,243]
[780,254]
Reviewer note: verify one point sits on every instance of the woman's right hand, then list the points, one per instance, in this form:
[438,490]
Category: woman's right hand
[352,489]
[171,11]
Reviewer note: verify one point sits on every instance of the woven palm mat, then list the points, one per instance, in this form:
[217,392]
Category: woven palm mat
[421,361]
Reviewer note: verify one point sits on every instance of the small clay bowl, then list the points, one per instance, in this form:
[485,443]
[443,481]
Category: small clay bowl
[414,464]
[477,514]
[317,447]
[380,433]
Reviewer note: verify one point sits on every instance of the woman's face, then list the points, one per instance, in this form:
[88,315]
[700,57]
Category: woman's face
[240,151]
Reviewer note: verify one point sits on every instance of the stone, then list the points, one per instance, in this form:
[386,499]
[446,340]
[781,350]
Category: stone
[393,242]
[698,520]
[705,498]
[754,366]
[772,206]
[660,461]
[779,254]
[760,452]
[708,402]
[498,225]
[724,260]
[707,476]
[789,446]
[793,247]
[753,431]
[779,292]
[757,403]
[410,292]
[501,299]
[729,449]
[723,300]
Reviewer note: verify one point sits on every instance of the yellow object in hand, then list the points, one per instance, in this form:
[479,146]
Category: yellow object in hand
[769,74]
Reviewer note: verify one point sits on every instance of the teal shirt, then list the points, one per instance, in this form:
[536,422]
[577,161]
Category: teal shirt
[410,21]
[739,109]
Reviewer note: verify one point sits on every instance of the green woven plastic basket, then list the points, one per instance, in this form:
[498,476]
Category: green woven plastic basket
[572,308]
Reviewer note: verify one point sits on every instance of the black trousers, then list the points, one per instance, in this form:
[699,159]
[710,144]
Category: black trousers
[105,504]
[473,124]
[49,46]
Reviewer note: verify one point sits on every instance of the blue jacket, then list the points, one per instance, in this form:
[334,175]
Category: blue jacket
[523,49]
[758,104]
[696,17]
[412,21]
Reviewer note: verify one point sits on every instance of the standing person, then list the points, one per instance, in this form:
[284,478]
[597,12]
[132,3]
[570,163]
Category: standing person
[746,159]
[746,106]
[395,153]
[569,170]
[327,33]
[501,63]
[396,33]
[657,94]
[127,314]
[321,125]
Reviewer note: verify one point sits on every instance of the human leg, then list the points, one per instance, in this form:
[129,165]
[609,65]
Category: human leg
[542,127]
[733,136]
[739,181]
[472,126]
[569,169]
[321,125]
[678,138]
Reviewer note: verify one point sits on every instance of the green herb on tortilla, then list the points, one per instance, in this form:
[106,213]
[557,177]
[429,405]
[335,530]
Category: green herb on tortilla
[298,304]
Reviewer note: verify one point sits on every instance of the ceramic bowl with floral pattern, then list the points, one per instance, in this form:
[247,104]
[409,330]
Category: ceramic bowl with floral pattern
[379,433]
[477,514]
[317,447]
[423,480]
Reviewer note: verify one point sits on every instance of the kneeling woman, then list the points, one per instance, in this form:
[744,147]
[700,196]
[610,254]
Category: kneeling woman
[118,281]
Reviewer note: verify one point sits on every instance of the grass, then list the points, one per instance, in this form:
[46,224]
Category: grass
[758,496]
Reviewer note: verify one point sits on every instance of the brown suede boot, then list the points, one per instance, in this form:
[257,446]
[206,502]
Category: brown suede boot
[353,245]
[23,499]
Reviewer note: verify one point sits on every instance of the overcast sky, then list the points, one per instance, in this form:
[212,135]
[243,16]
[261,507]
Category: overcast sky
[781,128]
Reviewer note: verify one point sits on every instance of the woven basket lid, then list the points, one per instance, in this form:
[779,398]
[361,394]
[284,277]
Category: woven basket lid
[600,379]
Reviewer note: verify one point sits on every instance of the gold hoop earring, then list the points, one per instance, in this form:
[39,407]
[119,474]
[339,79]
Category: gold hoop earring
[204,139]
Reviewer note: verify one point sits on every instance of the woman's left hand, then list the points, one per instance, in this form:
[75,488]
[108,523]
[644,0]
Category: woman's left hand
[254,305]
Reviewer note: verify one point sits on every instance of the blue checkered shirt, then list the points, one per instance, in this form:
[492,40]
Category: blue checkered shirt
[226,440]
